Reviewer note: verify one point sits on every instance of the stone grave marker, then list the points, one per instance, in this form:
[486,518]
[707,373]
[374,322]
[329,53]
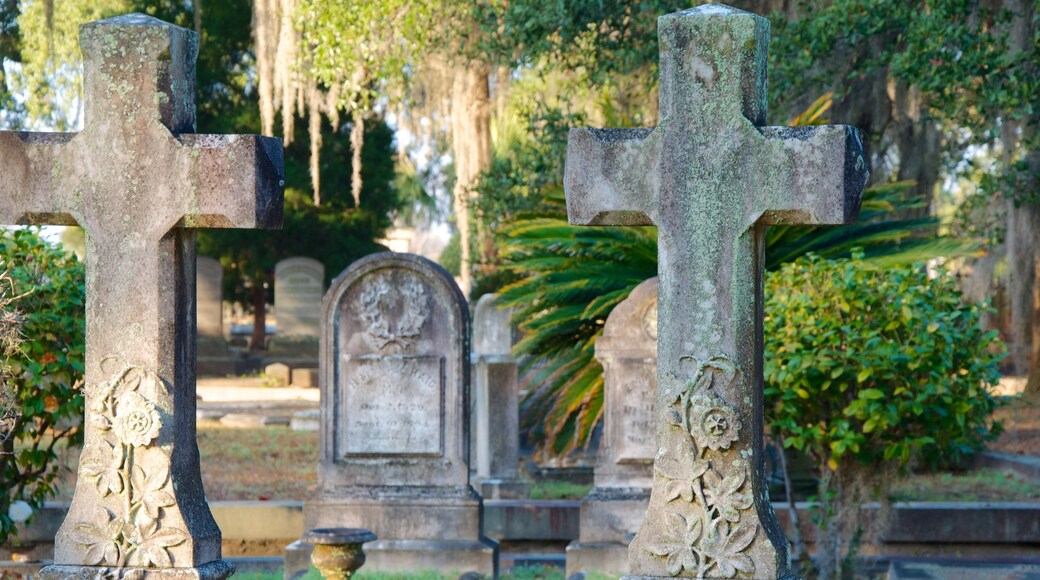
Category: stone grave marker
[208,297]
[711,177]
[612,511]
[139,182]
[495,417]
[298,288]
[214,356]
[279,374]
[394,442]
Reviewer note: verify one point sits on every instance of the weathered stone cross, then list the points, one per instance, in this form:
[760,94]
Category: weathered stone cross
[711,178]
[138,181]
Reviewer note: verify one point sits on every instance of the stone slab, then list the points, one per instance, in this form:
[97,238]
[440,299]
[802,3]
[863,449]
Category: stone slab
[304,378]
[608,559]
[309,420]
[458,556]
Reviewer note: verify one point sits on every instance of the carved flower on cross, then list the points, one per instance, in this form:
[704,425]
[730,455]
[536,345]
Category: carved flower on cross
[679,536]
[680,477]
[101,538]
[136,421]
[103,463]
[713,423]
[725,544]
[723,493]
[150,490]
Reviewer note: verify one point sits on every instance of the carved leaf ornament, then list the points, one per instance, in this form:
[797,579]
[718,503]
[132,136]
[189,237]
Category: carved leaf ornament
[128,529]
[705,485]
[378,299]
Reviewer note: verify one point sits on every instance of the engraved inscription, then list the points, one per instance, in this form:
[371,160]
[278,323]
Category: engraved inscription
[392,405]
[636,441]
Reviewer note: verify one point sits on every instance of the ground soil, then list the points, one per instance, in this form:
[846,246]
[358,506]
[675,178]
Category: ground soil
[1021,420]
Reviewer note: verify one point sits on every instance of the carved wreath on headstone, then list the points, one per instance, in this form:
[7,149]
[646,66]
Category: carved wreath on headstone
[705,527]
[379,296]
[129,527]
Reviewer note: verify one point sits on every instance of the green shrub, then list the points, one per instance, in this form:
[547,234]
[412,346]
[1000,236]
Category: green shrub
[869,370]
[46,373]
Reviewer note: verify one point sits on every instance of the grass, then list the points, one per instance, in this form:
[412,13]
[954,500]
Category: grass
[978,485]
[258,464]
[559,490]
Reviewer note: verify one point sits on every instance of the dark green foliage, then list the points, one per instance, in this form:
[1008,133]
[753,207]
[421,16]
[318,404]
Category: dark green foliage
[876,364]
[47,372]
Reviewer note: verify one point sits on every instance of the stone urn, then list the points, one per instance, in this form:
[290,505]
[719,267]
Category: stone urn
[337,551]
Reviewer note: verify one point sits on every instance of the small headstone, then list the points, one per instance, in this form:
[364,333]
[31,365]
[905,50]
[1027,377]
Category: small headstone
[304,378]
[612,511]
[278,374]
[712,177]
[394,437]
[298,288]
[209,278]
[215,359]
[495,417]
[138,180]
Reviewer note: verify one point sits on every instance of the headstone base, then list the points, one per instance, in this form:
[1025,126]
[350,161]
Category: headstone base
[420,528]
[503,488]
[609,519]
[606,558]
[456,556]
[218,570]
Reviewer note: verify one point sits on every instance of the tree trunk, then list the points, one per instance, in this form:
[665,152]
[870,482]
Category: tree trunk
[1024,222]
[259,318]
[471,145]
[197,13]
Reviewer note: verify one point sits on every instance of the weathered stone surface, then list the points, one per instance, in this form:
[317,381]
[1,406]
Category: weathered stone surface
[612,511]
[210,310]
[394,443]
[137,180]
[496,411]
[298,287]
[711,178]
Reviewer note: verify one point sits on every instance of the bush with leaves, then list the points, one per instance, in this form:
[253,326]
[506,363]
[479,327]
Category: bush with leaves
[869,370]
[46,371]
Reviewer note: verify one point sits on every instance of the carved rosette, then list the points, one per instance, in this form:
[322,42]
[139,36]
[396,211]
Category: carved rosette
[131,475]
[706,485]
[380,300]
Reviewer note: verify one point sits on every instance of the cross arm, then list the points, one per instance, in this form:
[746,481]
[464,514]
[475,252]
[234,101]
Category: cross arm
[611,176]
[816,176]
[238,181]
[32,170]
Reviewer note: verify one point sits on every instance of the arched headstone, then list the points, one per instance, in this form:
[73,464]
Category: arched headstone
[394,440]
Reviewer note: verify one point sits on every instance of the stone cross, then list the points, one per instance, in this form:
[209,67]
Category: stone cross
[711,177]
[138,181]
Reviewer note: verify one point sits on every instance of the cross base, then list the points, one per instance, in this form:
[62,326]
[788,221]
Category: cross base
[710,577]
[218,570]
